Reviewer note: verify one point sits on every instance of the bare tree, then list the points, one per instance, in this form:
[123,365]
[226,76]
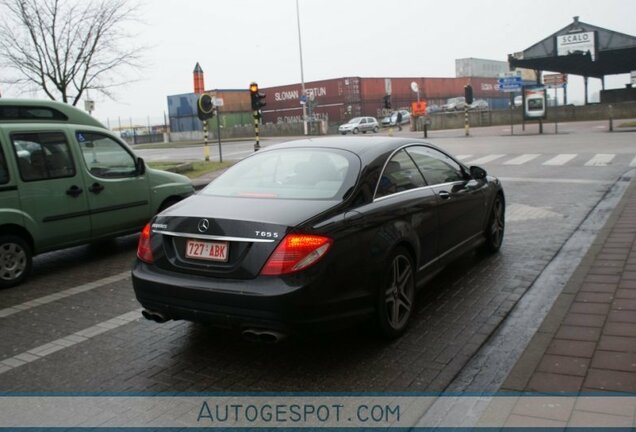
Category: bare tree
[67,47]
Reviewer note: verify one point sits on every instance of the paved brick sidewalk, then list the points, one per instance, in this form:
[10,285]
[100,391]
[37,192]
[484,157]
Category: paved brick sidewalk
[588,340]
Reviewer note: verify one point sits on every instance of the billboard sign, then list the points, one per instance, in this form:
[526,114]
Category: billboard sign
[534,103]
[555,80]
[576,43]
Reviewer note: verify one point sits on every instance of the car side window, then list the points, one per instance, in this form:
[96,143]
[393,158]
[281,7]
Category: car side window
[4,171]
[105,157]
[43,155]
[436,167]
[400,174]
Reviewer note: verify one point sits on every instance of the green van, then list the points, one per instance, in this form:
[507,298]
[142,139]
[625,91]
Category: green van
[65,179]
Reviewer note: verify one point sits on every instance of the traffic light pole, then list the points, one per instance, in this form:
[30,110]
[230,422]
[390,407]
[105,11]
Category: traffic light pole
[206,150]
[218,132]
[466,122]
[257,145]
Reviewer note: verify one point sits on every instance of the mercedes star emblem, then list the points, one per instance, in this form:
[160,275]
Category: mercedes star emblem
[203,226]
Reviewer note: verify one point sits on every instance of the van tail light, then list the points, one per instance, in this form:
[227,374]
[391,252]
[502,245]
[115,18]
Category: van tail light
[144,250]
[296,252]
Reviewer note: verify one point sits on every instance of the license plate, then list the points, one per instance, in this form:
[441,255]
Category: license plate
[211,251]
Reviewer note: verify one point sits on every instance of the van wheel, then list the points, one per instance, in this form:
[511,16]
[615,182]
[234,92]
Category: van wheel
[396,297]
[356,131]
[15,260]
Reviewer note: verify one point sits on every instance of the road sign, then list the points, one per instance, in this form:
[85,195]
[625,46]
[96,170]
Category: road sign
[509,84]
[633,77]
[303,99]
[217,101]
[555,80]
[418,108]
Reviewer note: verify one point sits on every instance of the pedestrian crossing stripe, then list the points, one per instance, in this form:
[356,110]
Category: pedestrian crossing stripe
[596,160]
[520,160]
[600,160]
[561,159]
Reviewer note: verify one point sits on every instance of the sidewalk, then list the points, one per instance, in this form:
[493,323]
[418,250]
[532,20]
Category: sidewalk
[587,343]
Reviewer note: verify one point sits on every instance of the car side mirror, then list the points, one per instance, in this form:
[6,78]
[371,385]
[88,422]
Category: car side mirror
[141,166]
[478,173]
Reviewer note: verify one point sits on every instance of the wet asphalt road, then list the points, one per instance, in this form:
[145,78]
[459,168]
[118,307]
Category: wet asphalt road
[92,338]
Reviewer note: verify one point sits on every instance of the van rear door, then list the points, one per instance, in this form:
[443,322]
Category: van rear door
[118,196]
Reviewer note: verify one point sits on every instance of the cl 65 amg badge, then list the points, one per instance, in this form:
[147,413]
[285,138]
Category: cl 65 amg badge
[266,234]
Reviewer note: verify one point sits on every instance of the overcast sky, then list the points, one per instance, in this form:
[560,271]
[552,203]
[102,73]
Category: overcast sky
[239,41]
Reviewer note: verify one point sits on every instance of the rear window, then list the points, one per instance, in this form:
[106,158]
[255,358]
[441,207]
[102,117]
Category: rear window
[315,174]
[9,112]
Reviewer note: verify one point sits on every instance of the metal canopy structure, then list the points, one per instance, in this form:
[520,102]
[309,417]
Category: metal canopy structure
[580,49]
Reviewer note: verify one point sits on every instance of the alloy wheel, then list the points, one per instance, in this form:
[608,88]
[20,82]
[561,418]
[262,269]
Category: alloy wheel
[400,293]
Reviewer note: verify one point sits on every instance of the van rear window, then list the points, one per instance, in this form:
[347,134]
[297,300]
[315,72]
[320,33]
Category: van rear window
[9,112]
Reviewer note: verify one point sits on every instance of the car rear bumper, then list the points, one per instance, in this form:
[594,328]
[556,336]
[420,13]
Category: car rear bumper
[263,303]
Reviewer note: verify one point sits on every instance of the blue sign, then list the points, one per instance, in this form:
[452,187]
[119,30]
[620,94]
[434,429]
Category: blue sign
[303,99]
[510,84]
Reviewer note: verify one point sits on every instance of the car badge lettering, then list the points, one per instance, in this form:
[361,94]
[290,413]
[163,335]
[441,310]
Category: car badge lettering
[203,226]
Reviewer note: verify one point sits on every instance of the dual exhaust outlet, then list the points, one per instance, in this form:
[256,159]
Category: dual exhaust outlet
[251,335]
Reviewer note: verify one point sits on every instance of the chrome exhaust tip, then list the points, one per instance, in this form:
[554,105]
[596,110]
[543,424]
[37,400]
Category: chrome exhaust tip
[154,316]
[263,336]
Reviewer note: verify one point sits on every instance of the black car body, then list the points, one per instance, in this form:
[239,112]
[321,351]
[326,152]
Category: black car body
[384,215]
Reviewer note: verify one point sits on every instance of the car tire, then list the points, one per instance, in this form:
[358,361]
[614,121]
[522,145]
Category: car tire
[396,297]
[496,226]
[356,131]
[376,129]
[16,258]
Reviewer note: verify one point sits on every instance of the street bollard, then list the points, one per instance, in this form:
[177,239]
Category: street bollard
[611,118]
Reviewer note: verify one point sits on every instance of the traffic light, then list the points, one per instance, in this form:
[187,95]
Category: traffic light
[468,94]
[205,107]
[257,98]
[387,102]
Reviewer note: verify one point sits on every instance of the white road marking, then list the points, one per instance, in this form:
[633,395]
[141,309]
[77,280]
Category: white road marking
[551,180]
[520,212]
[62,294]
[520,160]
[67,341]
[462,157]
[486,159]
[601,159]
[633,163]
[561,159]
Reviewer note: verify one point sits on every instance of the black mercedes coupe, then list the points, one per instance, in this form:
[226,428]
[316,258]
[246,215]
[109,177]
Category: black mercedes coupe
[314,234]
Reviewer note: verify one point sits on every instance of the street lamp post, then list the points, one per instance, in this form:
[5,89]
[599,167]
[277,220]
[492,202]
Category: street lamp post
[302,74]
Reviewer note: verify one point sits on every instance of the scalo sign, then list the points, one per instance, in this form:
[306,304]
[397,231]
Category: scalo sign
[576,43]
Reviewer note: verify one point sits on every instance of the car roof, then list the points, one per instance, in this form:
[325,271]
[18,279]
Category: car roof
[367,148]
[43,111]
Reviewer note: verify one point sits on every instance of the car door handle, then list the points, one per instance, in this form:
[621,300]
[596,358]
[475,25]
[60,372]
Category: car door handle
[74,191]
[444,195]
[96,188]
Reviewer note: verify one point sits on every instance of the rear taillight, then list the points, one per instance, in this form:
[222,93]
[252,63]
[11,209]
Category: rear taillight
[296,252]
[144,250]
